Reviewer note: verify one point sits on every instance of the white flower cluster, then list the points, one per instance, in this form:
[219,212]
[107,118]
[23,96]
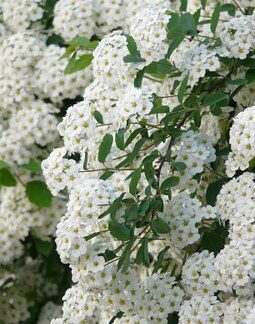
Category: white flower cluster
[242,140]
[195,150]
[20,15]
[16,291]
[18,216]
[183,214]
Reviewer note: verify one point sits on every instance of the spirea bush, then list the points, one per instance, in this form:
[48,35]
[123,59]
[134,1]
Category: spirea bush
[158,166]
[142,115]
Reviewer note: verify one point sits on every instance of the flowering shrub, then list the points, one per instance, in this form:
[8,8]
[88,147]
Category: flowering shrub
[153,171]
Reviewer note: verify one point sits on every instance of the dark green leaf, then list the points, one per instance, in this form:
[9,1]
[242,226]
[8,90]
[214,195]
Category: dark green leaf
[91,236]
[124,260]
[230,8]
[6,178]
[139,78]
[98,117]
[203,3]
[213,191]
[160,259]
[85,162]
[215,17]
[173,45]
[3,165]
[33,166]
[44,247]
[119,139]
[160,226]
[180,166]
[169,183]
[197,118]
[133,59]
[182,88]
[119,231]
[188,24]
[250,76]
[38,193]
[117,316]
[142,256]
[106,175]
[80,64]
[184,4]
[134,181]
[216,98]
[105,147]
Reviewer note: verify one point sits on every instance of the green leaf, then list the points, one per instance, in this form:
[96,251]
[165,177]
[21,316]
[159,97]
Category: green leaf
[119,139]
[105,147]
[230,8]
[80,64]
[79,41]
[180,166]
[136,176]
[214,239]
[142,256]
[203,3]
[139,78]
[98,117]
[250,76]
[38,193]
[213,190]
[216,98]
[160,226]
[106,175]
[85,162]
[173,45]
[169,183]
[44,247]
[182,88]
[133,59]
[91,236]
[197,118]
[3,165]
[33,166]
[184,4]
[236,82]
[119,231]
[6,177]
[117,316]
[124,260]
[132,47]
[135,55]
[188,24]
[215,17]
[160,259]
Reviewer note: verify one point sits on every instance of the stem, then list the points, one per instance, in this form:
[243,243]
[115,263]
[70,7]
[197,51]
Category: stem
[238,6]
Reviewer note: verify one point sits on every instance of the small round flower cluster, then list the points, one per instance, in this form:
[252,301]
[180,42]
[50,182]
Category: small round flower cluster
[183,214]
[237,37]
[235,262]
[19,54]
[242,141]
[199,276]
[201,309]
[20,15]
[148,27]
[48,312]
[18,216]
[19,295]
[195,60]
[32,124]
[74,18]
[50,81]
[195,150]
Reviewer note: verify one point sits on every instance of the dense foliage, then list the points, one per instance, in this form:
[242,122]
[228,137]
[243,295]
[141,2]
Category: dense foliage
[150,185]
